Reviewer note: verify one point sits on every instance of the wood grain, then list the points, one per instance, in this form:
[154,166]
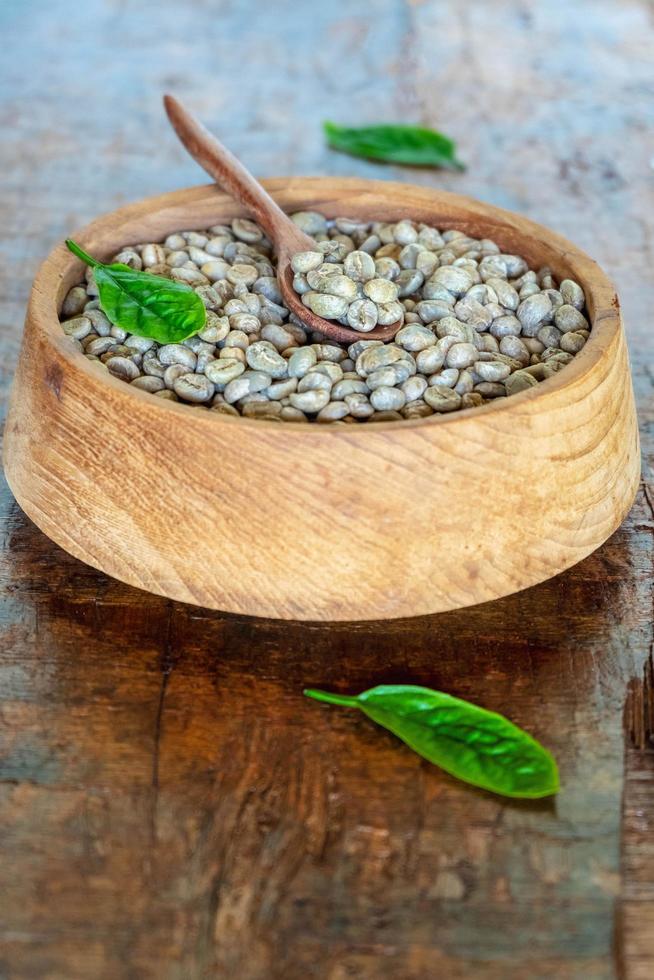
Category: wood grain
[344,523]
[170,808]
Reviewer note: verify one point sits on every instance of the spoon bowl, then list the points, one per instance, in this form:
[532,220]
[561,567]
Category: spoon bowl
[230,174]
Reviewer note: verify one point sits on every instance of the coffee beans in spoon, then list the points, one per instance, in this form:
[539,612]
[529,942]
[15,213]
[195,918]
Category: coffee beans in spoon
[477,323]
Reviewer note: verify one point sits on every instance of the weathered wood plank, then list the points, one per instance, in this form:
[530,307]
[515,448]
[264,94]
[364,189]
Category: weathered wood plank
[165,769]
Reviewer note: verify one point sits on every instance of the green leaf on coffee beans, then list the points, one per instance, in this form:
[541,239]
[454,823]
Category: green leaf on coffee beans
[475,745]
[145,304]
[413,145]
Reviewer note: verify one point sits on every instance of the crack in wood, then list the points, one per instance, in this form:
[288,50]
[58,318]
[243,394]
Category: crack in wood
[639,704]
[639,707]
[167,662]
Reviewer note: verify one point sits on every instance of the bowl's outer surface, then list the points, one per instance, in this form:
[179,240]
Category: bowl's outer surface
[322,522]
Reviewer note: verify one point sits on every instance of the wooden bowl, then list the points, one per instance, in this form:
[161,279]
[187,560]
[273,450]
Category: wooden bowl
[319,522]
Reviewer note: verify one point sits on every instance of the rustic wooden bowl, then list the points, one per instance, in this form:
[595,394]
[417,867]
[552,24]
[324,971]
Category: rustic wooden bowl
[320,522]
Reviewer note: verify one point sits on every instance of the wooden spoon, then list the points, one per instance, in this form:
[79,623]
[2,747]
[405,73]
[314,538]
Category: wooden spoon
[285,235]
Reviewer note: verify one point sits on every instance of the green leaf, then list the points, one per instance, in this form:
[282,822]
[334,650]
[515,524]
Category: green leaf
[478,746]
[392,143]
[143,304]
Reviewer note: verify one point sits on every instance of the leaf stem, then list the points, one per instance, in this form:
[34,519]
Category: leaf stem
[342,699]
[81,254]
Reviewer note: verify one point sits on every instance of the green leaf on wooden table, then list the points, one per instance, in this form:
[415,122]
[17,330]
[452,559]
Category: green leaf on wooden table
[395,143]
[478,746]
[144,304]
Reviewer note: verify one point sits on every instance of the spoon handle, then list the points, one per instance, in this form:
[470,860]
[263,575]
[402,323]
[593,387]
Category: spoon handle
[230,174]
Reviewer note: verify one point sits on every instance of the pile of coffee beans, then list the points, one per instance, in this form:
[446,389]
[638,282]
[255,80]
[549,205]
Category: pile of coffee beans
[475,323]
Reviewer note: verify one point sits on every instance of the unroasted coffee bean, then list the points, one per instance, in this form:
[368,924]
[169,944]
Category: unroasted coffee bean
[549,335]
[472,399]
[534,312]
[248,383]
[572,294]
[78,328]
[359,406]
[97,346]
[310,401]
[385,417]
[349,386]
[359,266]
[446,378]
[492,370]
[442,399]
[415,337]
[101,323]
[262,356]
[461,332]
[430,360]
[122,367]
[433,309]
[333,411]
[301,361]
[390,313]
[338,286]
[414,387]
[314,381]
[329,352]
[380,290]
[193,388]
[515,347]
[261,410]
[519,381]
[409,282]
[488,344]
[304,262]
[362,315]
[310,222]
[572,342]
[456,281]
[461,355]
[281,389]
[152,255]
[325,305]
[177,354]
[147,382]
[465,382]
[173,372]
[393,374]
[75,301]
[472,312]
[373,358]
[223,370]
[385,398]
[490,389]
[279,336]
[152,365]
[330,369]
[568,318]
[507,296]
[290,414]
[505,326]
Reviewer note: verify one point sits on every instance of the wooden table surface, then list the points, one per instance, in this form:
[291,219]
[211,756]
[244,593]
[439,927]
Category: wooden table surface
[170,806]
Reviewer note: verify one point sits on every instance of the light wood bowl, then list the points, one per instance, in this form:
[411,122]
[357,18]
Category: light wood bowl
[319,522]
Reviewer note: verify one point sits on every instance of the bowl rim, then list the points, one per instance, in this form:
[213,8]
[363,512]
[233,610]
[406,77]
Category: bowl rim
[602,301]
